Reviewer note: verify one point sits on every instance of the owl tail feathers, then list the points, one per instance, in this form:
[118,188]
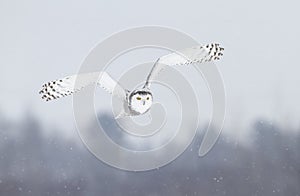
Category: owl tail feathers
[122,114]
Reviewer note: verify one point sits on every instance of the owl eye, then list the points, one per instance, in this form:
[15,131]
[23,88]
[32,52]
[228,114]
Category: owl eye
[138,98]
[148,98]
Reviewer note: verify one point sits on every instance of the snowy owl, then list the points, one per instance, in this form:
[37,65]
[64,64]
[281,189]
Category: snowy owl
[137,101]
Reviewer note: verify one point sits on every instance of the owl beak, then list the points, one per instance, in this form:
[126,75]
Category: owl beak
[144,102]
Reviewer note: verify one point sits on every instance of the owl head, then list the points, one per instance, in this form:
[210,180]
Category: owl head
[140,101]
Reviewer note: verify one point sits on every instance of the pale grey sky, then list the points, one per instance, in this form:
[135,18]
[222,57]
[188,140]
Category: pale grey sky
[45,40]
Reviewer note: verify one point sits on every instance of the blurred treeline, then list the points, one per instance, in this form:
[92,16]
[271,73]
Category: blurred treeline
[36,162]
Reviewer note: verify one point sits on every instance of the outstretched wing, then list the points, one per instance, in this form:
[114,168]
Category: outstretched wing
[197,54]
[72,84]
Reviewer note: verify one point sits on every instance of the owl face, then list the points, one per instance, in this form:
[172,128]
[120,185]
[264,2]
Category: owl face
[140,101]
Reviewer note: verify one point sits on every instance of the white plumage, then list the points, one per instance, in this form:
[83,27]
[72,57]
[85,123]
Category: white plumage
[197,54]
[138,101]
[72,84]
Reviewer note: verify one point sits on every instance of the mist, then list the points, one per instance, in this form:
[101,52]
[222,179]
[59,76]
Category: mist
[257,153]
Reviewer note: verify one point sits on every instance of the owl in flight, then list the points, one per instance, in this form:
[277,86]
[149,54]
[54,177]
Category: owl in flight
[137,101]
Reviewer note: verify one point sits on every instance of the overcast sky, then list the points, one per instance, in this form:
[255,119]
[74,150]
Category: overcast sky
[45,40]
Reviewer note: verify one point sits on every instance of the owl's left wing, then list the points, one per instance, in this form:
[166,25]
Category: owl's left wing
[197,54]
[72,84]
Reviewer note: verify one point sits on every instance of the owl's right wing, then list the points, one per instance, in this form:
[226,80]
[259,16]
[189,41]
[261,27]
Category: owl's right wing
[196,54]
[72,84]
